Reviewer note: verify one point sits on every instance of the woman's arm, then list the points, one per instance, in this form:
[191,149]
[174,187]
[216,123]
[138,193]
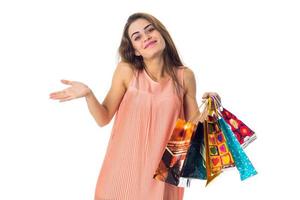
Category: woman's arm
[190,101]
[103,113]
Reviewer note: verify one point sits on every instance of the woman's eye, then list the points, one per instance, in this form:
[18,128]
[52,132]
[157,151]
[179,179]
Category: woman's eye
[150,29]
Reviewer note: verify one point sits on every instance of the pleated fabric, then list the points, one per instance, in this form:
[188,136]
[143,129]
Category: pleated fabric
[143,124]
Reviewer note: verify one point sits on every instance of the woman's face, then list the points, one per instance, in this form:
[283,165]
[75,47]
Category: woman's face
[145,39]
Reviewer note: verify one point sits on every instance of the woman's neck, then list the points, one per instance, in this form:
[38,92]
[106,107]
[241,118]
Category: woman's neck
[155,68]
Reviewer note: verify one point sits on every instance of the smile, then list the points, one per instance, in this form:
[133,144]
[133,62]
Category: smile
[150,44]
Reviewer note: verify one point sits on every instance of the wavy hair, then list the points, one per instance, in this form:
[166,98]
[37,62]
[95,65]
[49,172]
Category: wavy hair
[170,55]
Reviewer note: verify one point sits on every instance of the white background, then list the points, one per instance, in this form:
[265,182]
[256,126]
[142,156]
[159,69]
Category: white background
[247,51]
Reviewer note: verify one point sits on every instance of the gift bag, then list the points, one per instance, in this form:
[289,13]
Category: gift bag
[194,166]
[202,148]
[241,131]
[221,147]
[218,155]
[170,166]
[182,160]
[240,158]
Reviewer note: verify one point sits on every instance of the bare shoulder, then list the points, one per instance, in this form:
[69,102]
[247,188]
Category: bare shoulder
[188,78]
[188,73]
[125,68]
[124,71]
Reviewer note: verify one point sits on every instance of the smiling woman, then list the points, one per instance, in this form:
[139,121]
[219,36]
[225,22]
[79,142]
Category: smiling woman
[150,90]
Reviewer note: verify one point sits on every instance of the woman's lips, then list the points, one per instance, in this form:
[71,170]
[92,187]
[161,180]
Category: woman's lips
[150,43]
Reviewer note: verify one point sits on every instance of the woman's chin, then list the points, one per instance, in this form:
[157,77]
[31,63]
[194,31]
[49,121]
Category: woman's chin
[152,55]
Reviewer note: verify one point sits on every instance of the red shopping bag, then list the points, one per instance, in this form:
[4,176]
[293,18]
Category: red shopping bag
[241,131]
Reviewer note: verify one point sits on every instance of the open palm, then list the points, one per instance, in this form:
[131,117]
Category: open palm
[76,90]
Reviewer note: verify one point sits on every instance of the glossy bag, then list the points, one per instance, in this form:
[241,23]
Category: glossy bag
[218,155]
[181,160]
[170,166]
[241,131]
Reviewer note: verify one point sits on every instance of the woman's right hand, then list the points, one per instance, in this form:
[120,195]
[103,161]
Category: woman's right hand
[76,90]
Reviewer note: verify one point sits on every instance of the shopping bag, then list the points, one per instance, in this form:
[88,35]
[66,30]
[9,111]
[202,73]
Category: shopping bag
[194,166]
[218,155]
[240,158]
[180,161]
[241,131]
[170,166]
[202,148]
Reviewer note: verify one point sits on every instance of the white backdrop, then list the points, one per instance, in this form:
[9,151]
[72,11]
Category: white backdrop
[247,51]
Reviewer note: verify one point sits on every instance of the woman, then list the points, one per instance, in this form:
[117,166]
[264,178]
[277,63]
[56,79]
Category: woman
[150,90]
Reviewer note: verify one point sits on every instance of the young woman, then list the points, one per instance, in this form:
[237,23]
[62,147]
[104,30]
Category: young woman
[150,90]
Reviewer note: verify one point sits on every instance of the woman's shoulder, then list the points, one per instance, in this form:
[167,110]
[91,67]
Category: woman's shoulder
[185,68]
[188,77]
[125,67]
[187,71]
[126,70]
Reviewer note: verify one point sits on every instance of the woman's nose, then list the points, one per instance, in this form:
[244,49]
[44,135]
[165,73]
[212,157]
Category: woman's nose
[147,37]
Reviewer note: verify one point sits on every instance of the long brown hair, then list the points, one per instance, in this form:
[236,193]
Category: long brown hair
[170,55]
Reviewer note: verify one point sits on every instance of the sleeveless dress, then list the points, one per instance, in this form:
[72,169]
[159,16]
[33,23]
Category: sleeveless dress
[143,125]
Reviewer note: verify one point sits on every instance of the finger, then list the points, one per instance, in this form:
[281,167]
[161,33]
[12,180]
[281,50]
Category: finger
[213,94]
[54,93]
[205,95]
[66,81]
[66,99]
[216,96]
[59,93]
[58,97]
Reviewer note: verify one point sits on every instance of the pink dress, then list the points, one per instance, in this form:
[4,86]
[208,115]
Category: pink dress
[143,124]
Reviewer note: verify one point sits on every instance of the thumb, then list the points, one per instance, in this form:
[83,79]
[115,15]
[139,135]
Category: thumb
[66,81]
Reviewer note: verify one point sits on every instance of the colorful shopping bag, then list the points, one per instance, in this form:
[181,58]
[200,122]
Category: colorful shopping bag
[218,155]
[241,160]
[194,166]
[170,166]
[181,159]
[202,148]
[241,131]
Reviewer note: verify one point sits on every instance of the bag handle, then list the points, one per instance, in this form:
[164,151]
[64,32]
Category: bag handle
[217,104]
[197,114]
[218,101]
